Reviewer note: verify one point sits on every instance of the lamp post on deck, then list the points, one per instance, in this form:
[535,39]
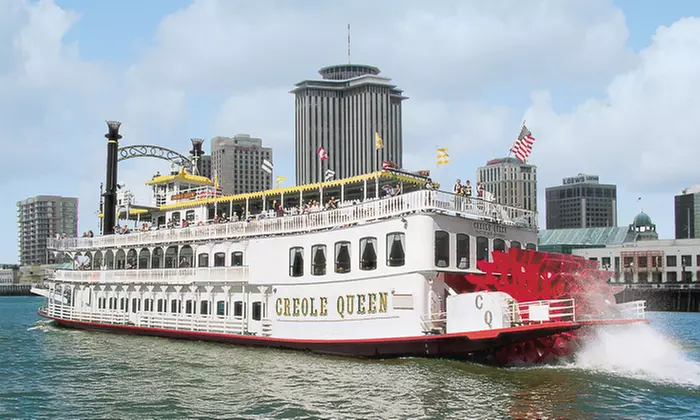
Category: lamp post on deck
[110,195]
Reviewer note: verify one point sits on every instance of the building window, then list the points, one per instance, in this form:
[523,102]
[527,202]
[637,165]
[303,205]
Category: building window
[368,253]
[686,260]
[697,260]
[499,245]
[628,261]
[656,276]
[237,259]
[482,248]
[531,247]
[342,257]
[687,276]
[643,277]
[442,248]
[396,249]
[515,244]
[220,259]
[671,276]
[318,262]
[203,260]
[642,262]
[656,261]
[257,311]
[605,262]
[296,261]
[462,254]
[671,261]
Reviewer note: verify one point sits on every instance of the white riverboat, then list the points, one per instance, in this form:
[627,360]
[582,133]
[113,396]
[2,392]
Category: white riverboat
[372,275]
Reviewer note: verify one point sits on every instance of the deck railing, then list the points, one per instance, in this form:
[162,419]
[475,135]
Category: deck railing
[424,200]
[621,311]
[543,311]
[182,322]
[162,275]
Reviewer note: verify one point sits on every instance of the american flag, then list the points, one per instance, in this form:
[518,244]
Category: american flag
[523,146]
[322,153]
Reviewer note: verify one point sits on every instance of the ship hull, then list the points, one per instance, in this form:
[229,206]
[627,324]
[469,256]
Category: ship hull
[471,346]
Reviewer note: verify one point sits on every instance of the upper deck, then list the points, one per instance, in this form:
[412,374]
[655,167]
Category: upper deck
[363,212]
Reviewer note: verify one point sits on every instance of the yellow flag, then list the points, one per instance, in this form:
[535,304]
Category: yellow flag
[279,179]
[379,141]
[216,180]
[443,158]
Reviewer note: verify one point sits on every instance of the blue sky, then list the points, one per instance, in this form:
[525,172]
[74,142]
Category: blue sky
[607,87]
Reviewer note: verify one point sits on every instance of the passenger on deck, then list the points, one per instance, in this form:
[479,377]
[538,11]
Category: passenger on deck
[468,189]
[457,189]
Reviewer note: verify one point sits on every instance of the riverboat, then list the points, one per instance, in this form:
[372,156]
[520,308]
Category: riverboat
[417,273]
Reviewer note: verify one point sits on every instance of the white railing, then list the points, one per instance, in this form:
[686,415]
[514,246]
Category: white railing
[543,311]
[183,322]
[434,323]
[424,200]
[621,311]
[163,275]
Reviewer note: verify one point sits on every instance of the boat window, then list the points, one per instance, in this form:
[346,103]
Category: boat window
[131,259]
[97,261]
[236,259]
[368,253]
[342,257]
[120,260]
[204,307]
[257,311]
[203,260]
[482,248]
[318,264]
[189,304]
[221,308]
[176,218]
[171,257]
[189,215]
[124,304]
[157,258]
[462,253]
[109,260]
[144,258]
[238,308]
[499,245]
[296,261]
[531,246]
[515,244]
[161,305]
[396,249]
[442,248]
[186,257]
[220,259]
[175,306]
[135,305]
[148,305]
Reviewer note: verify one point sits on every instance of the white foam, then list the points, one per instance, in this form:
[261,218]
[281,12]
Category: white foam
[637,351]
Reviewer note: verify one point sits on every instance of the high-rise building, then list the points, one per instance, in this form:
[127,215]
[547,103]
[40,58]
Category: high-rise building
[237,163]
[40,217]
[205,166]
[687,212]
[342,113]
[581,202]
[512,182]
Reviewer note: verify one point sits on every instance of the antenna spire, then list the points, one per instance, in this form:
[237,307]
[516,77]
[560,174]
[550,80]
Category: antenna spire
[348,43]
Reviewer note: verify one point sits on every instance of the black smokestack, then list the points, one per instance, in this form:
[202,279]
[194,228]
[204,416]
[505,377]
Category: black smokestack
[110,206]
[196,153]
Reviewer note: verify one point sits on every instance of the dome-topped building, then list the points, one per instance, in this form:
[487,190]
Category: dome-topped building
[643,227]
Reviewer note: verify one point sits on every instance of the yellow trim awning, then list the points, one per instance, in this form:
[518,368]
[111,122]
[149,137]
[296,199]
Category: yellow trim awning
[184,176]
[132,212]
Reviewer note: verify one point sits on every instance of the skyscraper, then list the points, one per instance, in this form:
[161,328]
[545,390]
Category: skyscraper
[40,217]
[511,182]
[581,202]
[342,113]
[687,213]
[237,162]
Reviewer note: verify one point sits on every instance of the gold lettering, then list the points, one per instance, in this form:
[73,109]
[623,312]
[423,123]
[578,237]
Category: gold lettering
[286,307]
[313,311]
[278,306]
[351,303]
[295,306]
[372,303]
[383,302]
[361,304]
[305,306]
[324,306]
[340,306]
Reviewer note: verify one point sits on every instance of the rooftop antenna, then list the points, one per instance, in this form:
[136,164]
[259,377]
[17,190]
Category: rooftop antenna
[348,43]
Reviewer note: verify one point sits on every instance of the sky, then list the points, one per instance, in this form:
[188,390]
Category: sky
[607,87]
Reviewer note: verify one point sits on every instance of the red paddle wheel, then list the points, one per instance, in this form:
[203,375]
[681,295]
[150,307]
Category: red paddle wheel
[529,276]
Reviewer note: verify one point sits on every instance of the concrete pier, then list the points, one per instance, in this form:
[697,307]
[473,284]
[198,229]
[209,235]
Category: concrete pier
[15,289]
[673,298]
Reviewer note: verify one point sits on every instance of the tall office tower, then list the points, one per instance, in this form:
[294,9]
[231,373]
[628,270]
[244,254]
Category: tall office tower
[237,162]
[687,213]
[511,182]
[40,217]
[581,202]
[343,112]
[205,166]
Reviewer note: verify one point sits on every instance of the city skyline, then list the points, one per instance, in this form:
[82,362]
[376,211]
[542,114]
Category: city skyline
[71,65]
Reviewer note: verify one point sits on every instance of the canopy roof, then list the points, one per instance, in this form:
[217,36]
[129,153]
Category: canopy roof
[584,236]
[183,176]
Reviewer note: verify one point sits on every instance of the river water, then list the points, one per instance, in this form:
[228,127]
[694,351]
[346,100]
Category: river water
[643,371]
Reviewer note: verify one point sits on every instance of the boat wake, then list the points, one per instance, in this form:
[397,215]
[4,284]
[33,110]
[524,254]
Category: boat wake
[637,351]
[43,326]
